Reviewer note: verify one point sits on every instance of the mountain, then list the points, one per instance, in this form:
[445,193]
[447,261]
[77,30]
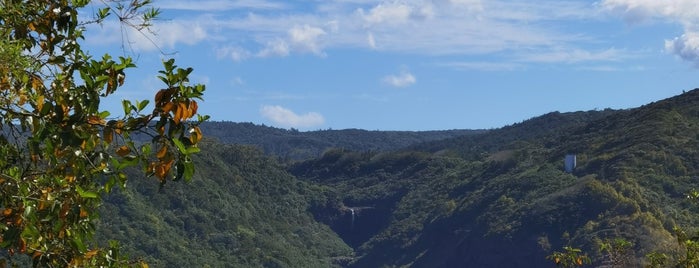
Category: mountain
[502,198]
[302,145]
[353,198]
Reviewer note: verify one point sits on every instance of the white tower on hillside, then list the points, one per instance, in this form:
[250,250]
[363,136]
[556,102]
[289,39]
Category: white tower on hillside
[570,163]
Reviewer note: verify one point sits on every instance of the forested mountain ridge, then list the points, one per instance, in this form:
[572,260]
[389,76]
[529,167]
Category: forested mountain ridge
[495,199]
[291,144]
[502,199]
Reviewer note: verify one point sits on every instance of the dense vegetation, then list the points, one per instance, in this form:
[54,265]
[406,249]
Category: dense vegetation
[503,199]
[295,145]
[494,199]
[241,209]
[59,149]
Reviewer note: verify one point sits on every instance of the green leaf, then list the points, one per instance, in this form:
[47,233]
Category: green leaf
[146,149]
[142,105]
[103,13]
[78,243]
[188,170]
[85,194]
[127,106]
[180,146]
[193,150]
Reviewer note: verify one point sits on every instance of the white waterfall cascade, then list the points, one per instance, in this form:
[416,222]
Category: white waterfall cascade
[352,222]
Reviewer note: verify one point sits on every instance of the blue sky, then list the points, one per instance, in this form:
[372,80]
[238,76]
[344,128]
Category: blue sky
[413,64]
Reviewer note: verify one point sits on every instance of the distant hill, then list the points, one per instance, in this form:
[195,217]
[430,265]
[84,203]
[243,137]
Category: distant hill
[301,145]
[355,198]
[502,199]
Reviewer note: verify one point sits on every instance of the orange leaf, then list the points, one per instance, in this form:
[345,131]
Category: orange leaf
[194,107]
[168,107]
[108,135]
[186,113]
[7,212]
[91,253]
[40,102]
[123,151]
[96,120]
[178,114]
[22,99]
[64,210]
[119,126]
[163,168]
[83,213]
[161,153]
[196,135]
[37,83]
[22,245]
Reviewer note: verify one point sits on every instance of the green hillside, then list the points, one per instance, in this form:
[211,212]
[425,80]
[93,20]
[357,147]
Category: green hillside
[493,199]
[240,210]
[502,199]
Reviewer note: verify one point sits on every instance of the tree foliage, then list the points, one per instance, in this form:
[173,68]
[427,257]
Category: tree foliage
[569,257]
[59,150]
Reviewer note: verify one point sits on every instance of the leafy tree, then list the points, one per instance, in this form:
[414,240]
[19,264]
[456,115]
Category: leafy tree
[618,251]
[570,257]
[59,152]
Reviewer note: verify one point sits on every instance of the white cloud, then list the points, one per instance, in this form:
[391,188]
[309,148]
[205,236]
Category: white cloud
[299,38]
[288,118]
[387,12]
[403,79]
[683,12]
[371,41]
[235,53]
[165,35]
[422,27]
[219,5]
[686,11]
[305,38]
[482,66]
[275,48]
[685,46]
[575,56]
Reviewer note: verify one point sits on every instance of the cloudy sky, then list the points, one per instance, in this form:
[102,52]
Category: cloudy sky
[414,64]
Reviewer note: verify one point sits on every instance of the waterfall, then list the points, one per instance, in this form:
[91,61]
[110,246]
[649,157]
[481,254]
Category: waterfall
[352,222]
